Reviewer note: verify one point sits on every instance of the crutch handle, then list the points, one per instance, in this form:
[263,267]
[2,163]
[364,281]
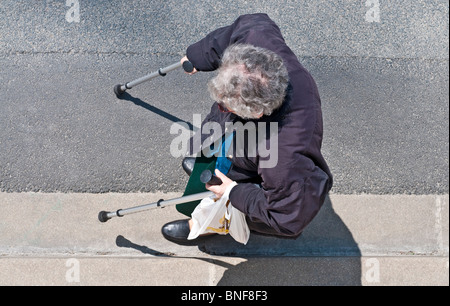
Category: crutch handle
[206,177]
[188,67]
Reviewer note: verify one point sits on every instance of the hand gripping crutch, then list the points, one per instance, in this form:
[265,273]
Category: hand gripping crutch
[104,216]
[120,89]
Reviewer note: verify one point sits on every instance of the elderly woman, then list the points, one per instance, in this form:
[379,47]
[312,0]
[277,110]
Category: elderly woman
[259,79]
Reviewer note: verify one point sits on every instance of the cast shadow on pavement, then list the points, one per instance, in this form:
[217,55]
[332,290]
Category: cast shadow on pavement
[127,97]
[123,242]
[326,254]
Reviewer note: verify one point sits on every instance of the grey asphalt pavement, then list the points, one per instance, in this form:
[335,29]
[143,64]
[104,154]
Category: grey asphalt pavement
[384,87]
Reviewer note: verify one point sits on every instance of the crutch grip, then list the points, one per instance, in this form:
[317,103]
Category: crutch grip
[188,67]
[206,177]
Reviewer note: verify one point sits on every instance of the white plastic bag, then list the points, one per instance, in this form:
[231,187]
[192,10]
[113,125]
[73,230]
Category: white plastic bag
[220,217]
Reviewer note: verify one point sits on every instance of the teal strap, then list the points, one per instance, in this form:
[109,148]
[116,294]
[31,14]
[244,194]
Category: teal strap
[223,164]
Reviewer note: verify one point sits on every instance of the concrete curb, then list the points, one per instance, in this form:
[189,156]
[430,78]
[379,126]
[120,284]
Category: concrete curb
[224,271]
[355,240]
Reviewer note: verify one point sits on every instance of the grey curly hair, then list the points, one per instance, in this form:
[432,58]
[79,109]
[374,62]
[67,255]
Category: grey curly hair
[251,81]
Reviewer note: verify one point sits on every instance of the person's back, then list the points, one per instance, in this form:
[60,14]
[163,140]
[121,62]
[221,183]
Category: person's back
[256,68]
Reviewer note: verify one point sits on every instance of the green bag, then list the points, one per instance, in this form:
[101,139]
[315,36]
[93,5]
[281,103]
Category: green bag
[194,184]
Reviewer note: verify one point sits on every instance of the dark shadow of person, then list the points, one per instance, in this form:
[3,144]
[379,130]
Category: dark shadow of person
[326,254]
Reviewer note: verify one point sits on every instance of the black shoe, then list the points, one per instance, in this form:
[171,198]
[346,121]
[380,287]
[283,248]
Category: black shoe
[188,165]
[178,232]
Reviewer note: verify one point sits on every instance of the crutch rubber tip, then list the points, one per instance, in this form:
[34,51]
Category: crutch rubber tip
[103,216]
[118,90]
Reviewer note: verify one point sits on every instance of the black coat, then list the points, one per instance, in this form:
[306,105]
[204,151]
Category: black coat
[294,190]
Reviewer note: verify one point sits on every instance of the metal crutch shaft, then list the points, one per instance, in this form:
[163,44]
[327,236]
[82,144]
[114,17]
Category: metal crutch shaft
[120,89]
[104,216]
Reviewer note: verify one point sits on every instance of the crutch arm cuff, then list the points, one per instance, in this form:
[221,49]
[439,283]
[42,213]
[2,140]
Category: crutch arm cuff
[159,202]
[161,73]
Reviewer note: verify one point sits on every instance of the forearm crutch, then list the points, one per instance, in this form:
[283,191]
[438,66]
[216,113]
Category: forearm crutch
[120,89]
[104,216]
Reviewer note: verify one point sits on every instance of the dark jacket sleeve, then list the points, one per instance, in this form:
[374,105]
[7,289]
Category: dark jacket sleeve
[286,204]
[257,29]
[205,55]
